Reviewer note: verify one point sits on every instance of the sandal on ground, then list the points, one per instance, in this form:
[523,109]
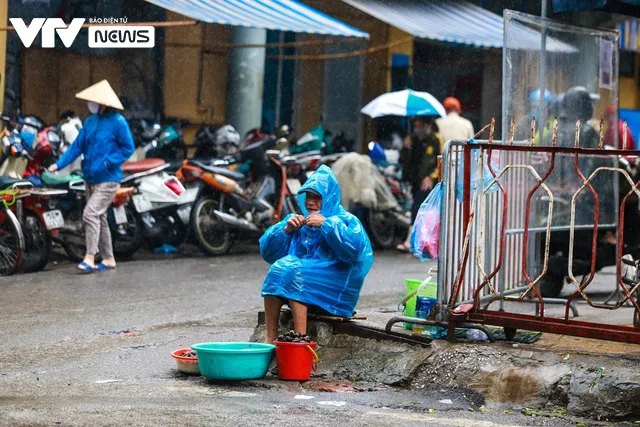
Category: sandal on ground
[103,267]
[403,248]
[85,268]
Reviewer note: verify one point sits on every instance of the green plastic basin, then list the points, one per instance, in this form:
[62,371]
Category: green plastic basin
[233,360]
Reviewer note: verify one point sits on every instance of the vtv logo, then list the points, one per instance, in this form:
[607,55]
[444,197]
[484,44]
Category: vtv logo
[50,26]
[121,37]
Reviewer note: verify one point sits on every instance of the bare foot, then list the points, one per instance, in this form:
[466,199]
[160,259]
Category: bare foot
[90,261]
[109,262]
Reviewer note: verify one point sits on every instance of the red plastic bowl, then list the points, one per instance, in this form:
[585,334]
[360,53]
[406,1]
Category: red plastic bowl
[186,365]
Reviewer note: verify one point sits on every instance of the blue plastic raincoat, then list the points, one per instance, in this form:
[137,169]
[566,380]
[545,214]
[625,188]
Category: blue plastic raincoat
[323,266]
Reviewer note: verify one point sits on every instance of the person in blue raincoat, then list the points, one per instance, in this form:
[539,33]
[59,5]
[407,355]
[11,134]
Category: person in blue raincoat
[319,260]
[105,142]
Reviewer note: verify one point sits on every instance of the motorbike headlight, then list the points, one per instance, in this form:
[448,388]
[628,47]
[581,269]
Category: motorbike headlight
[53,137]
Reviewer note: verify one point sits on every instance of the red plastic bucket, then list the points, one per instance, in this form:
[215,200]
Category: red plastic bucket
[295,360]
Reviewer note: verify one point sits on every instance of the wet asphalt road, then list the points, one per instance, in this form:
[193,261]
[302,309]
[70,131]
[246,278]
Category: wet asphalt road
[94,350]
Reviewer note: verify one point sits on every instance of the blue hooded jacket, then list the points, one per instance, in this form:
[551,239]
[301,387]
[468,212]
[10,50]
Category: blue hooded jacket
[106,143]
[323,266]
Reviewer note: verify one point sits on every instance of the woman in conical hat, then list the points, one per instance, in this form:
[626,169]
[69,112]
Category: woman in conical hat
[106,143]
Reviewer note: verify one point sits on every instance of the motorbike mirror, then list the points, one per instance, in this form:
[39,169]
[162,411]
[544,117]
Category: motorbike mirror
[10,95]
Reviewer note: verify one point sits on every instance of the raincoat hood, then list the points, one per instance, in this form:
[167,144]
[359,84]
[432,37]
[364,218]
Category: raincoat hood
[324,182]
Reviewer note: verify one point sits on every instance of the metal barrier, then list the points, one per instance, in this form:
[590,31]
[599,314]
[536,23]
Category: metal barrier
[495,242]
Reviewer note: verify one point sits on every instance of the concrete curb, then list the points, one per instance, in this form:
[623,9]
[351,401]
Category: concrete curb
[503,375]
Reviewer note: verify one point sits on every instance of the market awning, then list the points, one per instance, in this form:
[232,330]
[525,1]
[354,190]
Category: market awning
[452,22]
[629,35]
[456,22]
[284,15]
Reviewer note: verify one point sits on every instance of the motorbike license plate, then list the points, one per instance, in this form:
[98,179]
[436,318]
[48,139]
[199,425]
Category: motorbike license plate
[294,185]
[53,219]
[120,215]
[141,203]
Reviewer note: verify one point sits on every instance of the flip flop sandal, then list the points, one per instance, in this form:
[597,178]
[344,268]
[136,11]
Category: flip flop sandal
[103,267]
[403,248]
[85,268]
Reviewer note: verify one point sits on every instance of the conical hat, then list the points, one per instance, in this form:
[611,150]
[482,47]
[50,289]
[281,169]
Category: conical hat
[101,93]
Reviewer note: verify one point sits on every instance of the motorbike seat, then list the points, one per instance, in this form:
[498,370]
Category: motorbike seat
[59,181]
[237,176]
[6,182]
[174,165]
[141,165]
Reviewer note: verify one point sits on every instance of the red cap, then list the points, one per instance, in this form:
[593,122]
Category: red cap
[609,111]
[451,103]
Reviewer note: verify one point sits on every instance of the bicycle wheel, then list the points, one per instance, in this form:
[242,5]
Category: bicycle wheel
[11,243]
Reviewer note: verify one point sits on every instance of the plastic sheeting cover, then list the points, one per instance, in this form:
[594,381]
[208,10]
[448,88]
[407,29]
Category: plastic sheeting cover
[323,266]
[361,183]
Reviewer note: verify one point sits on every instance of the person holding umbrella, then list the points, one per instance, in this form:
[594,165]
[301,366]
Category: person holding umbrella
[106,143]
[419,155]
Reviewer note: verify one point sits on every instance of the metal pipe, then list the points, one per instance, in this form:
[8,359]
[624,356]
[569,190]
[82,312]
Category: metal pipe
[572,306]
[466,213]
[406,319]
[491,299]
[550,149]
[279,82]
[556,228]
[542,104]
[444,241]
[236,222]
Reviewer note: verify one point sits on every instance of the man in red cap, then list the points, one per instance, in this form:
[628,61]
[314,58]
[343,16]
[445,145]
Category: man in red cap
[454,127]
[609,139]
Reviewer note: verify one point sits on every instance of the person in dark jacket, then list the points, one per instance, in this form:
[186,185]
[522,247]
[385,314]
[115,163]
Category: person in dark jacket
[419,159]
[106,143]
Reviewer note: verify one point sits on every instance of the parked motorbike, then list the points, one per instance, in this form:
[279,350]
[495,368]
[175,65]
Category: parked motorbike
[71,235]
[230,205]
[321,139]
[39,220]
[154,141]
[67,188]
[68,130]
[218,143]
[160,206]
[170,145]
